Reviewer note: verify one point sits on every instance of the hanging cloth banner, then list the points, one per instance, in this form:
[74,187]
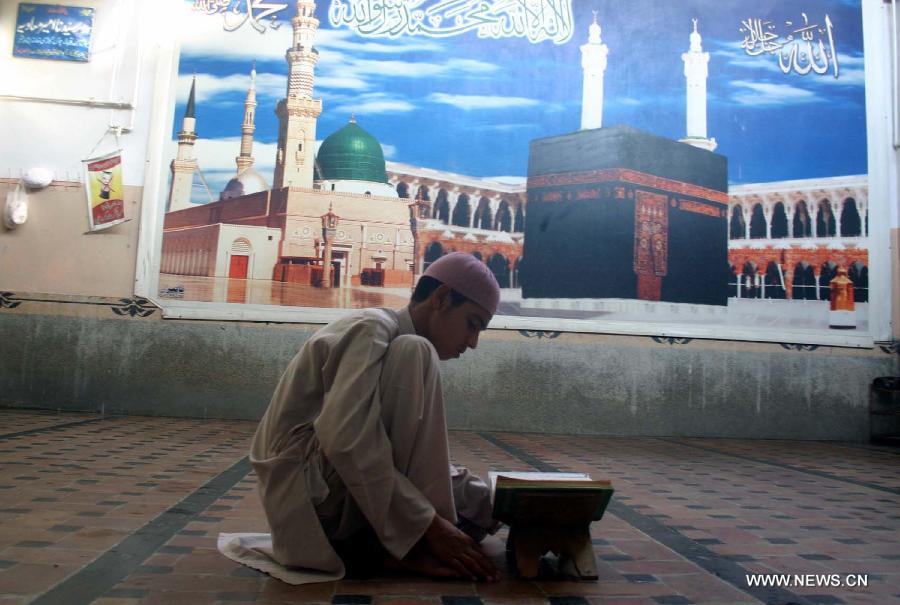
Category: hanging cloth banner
[103,186]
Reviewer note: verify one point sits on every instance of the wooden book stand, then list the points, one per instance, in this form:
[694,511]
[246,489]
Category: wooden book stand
[546,515]
[528,543]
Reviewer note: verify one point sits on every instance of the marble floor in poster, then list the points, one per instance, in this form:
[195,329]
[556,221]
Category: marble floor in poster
[755,313]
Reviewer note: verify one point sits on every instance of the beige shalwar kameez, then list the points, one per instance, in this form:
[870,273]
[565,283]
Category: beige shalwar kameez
[358,413]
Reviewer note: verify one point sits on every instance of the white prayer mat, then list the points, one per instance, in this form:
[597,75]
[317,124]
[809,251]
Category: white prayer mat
[255,550]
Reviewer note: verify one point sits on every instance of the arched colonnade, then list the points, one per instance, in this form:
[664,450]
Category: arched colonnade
[796,274]
[812,214]
[468,207]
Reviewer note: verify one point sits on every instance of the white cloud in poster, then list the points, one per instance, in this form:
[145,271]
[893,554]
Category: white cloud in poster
[342,92]
[344,39]
[471,66]
[219,154]
[471,102]
[852,71]
[766,94]
[416,69]
[209,85]
[404,69]
[340,83]
[738,58]
[267,84]
[375,104]
[332,61]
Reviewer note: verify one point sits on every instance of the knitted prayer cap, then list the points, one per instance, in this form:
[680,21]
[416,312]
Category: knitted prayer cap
[468,276]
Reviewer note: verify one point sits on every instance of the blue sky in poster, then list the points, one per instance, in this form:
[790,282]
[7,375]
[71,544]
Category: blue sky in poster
[471,106]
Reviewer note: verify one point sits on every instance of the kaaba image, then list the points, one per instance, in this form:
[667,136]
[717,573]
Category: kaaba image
[620,213]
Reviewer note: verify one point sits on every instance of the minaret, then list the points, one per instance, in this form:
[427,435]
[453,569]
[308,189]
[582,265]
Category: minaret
[298,112]
[593,63]
[184,164]
[696,68]
[245,159]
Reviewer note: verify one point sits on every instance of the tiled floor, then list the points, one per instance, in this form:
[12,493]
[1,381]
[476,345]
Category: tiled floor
[125,511]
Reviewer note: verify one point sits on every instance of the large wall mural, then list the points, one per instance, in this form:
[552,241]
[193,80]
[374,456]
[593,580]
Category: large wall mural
[695,162]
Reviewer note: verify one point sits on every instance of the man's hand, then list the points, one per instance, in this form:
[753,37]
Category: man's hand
[458,551]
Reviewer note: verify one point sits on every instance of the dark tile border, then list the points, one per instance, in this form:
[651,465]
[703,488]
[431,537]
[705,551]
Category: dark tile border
[135,307]
[351,599]
[781,465]
[99,577]
[568,600]
[53,427]
[718,565]
[461,600]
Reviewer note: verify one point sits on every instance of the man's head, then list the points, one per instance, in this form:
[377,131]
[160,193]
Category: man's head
[453,302]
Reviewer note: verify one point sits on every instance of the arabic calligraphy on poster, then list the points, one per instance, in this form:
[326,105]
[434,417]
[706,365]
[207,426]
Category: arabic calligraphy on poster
[536,20]
[804,47]
[259,14]
[51,31]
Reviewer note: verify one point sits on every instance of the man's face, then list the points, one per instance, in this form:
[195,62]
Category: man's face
[452,330]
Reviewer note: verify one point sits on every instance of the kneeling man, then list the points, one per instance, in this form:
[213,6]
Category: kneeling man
[352,455]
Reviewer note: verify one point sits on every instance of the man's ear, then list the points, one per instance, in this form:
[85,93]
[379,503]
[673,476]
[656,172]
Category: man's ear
[440,298]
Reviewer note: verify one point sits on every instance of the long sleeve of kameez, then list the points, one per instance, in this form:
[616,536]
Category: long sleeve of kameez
[353,438]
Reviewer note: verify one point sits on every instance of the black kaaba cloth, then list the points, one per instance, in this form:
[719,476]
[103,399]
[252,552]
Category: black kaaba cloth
[619,213]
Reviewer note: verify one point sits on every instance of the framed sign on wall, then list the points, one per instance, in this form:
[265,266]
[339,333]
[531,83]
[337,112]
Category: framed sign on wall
[53,31]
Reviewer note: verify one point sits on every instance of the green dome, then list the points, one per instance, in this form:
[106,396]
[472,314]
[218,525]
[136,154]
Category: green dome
[351,154]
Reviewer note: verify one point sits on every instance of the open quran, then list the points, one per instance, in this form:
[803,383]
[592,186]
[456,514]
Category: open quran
[548,499]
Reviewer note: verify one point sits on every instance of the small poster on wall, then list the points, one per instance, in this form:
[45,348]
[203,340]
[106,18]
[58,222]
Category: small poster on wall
[53,31]
[103,185]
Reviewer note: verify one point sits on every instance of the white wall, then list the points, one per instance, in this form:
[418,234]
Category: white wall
[54,114]
[121,70]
